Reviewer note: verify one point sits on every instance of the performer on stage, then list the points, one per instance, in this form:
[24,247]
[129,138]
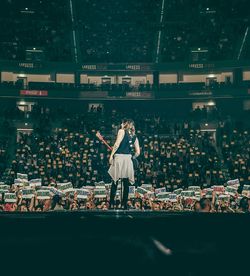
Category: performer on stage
[121,165]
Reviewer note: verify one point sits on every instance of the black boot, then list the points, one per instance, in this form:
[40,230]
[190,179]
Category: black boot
[113,194]
[125,193]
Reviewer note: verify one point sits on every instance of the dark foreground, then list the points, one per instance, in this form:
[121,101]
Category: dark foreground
[115,242]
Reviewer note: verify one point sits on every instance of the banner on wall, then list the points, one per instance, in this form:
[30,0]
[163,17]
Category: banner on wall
[37,93]
[121,66]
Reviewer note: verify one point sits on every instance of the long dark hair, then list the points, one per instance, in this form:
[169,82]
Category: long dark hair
[129,125]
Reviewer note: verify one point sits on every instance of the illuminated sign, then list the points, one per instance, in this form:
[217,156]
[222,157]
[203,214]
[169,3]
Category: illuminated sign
[37,93]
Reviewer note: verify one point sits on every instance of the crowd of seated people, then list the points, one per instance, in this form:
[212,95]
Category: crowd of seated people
[219,27]
[199,86]
[205,113]
[108,121]
[118,31]
[82,159]
[180,162]
[3,154]
[182,86]
[123,31]
[174,155]
[235,146]
[162,90]
[126,87]
[35,24]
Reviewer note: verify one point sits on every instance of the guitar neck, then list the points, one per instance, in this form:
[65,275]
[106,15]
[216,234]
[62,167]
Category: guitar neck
[99,136]
[108,146]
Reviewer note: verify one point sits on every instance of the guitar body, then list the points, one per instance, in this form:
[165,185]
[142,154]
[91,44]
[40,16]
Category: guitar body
[135,163]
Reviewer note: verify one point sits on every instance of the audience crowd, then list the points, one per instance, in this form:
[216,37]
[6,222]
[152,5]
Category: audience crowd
[175,155]
[82,159]
[218,27]
[118,31]
[40,24]
[3,154]
[236,153]
[30,196]
[124,30]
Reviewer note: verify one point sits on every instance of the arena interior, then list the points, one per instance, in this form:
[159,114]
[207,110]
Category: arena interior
[180,70]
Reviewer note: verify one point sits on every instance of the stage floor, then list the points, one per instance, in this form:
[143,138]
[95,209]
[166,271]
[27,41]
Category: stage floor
[175,224]
[183,243]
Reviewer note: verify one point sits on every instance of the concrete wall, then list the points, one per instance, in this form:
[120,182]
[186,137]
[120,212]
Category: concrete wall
[65,78]
[9,76]
[246,75]
[168,78]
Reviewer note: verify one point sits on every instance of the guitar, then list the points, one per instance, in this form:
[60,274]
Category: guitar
[100,137]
